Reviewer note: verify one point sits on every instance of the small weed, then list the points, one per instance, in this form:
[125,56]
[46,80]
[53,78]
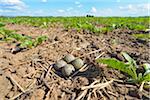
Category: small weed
[129,67]
[25,41]
[142,36]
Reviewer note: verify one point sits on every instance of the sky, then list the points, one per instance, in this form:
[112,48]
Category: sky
[74,7]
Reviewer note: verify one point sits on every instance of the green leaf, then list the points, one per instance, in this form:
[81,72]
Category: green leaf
[2,24]
[129,59]
[146,66]
[121,66]
[140,77]
[39,40]
[146,77]
[27,43]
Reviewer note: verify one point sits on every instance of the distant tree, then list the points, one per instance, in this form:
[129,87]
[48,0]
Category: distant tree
[89,16]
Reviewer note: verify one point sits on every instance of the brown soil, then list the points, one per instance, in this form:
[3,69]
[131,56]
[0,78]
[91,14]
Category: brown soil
[28,75]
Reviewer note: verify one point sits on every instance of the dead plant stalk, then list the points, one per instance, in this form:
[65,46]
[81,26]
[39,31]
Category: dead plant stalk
[100,86]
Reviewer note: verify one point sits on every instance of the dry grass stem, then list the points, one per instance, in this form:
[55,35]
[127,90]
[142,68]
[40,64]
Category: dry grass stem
[94,91]
[89,96]
[100,55]
[100,86]
[16,83]
[29,88]
[82,95]
[80,70]
[13,98]
[91,53]
[141,87]
[63,96]
[112,93]
[101,94]
[49,69]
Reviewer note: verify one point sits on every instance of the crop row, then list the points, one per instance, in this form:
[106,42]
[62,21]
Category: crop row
[92,24]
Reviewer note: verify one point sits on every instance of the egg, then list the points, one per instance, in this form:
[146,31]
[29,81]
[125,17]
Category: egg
[59,64]
[69,58]
[77,63]
[68,69]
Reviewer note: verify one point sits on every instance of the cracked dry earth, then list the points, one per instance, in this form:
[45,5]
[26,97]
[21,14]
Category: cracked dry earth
[29,75]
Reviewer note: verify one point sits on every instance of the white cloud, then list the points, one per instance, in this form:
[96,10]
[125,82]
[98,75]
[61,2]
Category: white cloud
[118,1]
[44,0]
[93,10]
[11,5]
[61,11]
[129,7]
[5,11]
[11,2]
[79,6]
[132,7]
[77,2]
[101,12]
[69,9]
[135,8]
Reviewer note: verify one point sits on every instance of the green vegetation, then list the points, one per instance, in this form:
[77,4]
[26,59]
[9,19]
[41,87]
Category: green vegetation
[142,36]
[91,24]
[130,67]
[24,40]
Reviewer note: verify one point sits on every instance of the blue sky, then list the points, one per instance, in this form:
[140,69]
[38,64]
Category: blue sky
[74,7]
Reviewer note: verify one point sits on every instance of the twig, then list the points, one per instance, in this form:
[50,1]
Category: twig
[101,94]
[73,96]
[96,81]
[82,95]
[70,92]
[63,96]
[67,91]
[85,91]
[24,91]
[42,76]
[80,70]
[52,71]
[49,69]
[116,80]
[53,82]
[94,91]
[91,53]
[64,34]
[112,94]
[19,94]
[141,87]
[89,96]
[100,86]
[51,88]
[54,43]
[42,66]
[106,93]
[46,70]
[47,95]
[16,83]
[27,75]
[109,84]
[100,55]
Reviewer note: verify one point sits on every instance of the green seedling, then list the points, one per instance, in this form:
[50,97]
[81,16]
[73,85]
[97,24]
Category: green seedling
[39,40]
[142,36]
[27,44]
[129,68]
[2,24]
[25,41]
